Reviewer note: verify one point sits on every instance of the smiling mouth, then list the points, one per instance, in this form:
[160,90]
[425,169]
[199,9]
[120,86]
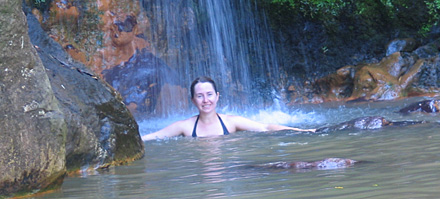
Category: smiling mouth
[206,106]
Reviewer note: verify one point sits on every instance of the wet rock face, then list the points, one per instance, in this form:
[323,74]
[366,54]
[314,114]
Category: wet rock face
[387,79]
[404,72]
[103,33]
[64,12]
[429,77]
[401,45]
[140,86]
[127,25]
[101,130]
[337,86]
[428,51]
[32,124]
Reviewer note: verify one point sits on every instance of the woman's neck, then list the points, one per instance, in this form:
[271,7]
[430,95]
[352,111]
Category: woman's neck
[208,117]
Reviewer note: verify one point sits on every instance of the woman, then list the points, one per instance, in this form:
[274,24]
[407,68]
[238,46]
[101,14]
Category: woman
[205,96]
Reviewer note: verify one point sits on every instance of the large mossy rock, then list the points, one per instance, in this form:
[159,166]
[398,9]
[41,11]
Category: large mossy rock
[55,115]
[32,127]
[101,130]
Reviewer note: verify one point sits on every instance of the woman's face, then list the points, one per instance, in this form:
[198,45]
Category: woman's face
[205,98]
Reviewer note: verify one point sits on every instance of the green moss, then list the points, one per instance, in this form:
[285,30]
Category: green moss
[373,14]
[128,148]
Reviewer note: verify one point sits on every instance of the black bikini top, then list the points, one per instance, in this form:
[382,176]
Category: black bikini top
[225,130]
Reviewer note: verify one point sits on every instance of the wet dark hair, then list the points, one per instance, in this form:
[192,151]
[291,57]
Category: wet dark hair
[202,79]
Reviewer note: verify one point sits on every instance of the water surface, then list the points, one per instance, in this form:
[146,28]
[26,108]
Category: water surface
[400,162]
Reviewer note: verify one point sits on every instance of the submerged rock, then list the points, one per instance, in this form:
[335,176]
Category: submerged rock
[365,123]
[326,164]
[427,106]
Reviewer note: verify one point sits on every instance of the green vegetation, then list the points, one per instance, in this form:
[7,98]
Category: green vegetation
[42,5]
[419,15]
[434,13]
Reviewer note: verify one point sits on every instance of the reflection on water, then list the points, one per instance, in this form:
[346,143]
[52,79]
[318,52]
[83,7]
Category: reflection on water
[399,162]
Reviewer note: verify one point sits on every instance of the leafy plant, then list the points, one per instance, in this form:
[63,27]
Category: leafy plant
[41,5]
[433,11]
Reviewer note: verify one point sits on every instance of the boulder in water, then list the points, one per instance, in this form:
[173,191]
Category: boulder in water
[366,123]
[100,129]
[326,164]
[427,106]
[32,125]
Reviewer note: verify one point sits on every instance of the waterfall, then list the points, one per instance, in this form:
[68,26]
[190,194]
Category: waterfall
[228,40]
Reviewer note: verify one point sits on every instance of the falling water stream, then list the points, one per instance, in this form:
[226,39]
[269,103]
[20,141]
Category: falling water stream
[227,40]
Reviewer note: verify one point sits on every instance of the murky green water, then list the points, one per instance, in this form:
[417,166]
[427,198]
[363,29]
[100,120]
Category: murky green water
[400,162]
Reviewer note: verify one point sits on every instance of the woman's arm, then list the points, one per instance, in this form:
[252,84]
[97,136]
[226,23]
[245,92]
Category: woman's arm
[172,130]
[244,124]
[275,127]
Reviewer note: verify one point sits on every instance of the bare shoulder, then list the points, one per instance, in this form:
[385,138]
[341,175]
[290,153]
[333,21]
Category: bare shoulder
[186,125]
[239,123]
[230,118]
[234,118]
[188,121]
[185,122]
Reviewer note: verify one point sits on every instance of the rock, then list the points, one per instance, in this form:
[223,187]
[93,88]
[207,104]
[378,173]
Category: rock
[64,12]
[400,45]
[427,106]
[374,122]
[140,81]
[336,86]
[398,75]
[32,124]
[365,123]
[326,164]
[428,51]
[389,79]
[427,80]
[101,130]
[122,39]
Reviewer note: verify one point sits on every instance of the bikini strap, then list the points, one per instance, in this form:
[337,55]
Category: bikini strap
[225,130]
[194,134]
